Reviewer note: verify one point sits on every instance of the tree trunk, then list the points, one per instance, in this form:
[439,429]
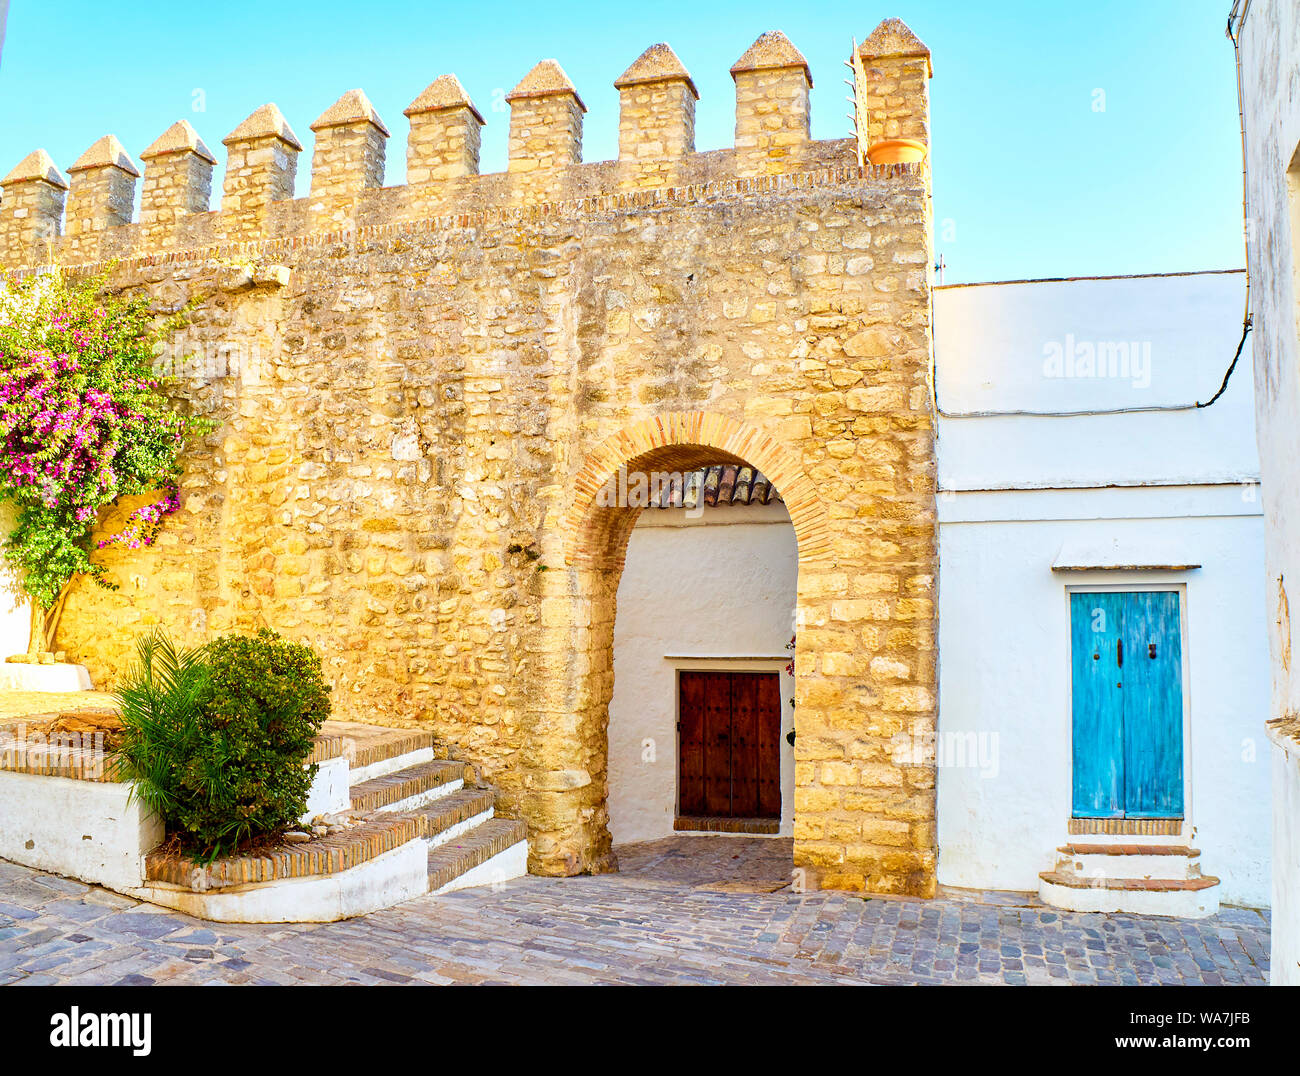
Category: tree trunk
[45,622]
[36,643]
[50,624]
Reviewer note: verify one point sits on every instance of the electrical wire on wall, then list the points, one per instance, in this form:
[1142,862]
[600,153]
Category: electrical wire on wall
[1235,19]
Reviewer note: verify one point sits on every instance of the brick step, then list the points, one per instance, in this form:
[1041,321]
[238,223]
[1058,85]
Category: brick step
[1187,898]
[451,815]
[375,750]
[499,843]
[409,789]
[382,767]
[1094,861]
[1143,885]
[1128,850]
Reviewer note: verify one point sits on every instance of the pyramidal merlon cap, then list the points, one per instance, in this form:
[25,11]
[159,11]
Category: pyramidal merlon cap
[36,165]
[180,137]
[266,122]
[772,50]
[445,91]
[545,80]
[657,64]
[106,152]
[894,37]
[353,107]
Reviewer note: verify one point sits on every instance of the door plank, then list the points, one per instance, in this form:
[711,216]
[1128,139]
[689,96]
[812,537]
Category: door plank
[768,705]
[1153,706]
[744,745]
[717,744]
[1097,708]
[690,738]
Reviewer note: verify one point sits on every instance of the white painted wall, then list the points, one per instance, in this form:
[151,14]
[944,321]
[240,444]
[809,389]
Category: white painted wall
[720,583]
[15,613]
[1004,646]
[1270,75]
[1284,963]
[992,350]
[1151,488]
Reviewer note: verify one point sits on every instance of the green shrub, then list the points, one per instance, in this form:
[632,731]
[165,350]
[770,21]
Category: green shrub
[215,738]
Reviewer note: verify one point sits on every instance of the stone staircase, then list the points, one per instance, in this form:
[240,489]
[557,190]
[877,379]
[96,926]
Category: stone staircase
[1151,877]
[468,845]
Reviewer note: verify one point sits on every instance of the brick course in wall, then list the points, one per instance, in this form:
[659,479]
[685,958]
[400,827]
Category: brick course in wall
[421,389]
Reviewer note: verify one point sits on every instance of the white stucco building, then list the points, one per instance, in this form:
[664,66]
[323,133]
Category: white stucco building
[1036,509]
[1141,507]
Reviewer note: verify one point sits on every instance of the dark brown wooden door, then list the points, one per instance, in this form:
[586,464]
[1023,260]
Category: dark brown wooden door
[729,729]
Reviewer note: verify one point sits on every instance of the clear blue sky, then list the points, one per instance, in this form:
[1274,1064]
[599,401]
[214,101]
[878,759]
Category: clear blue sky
[1030,178]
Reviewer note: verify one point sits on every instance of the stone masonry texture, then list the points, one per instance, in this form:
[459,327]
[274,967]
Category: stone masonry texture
[420,390]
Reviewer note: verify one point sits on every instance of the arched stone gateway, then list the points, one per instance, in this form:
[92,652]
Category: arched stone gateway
[854,778]
[419,392]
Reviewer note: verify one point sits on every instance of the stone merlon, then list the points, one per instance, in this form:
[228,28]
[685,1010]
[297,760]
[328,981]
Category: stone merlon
[106,152]
[443,92]
[547,79]
[37,165]
[894,38]
[265,122]
[180,137]
[352,108]
[657,64]
[772,50]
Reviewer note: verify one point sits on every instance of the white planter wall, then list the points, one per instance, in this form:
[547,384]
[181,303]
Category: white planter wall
[89,830]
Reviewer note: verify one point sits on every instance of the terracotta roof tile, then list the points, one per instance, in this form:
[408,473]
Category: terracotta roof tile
[724,483]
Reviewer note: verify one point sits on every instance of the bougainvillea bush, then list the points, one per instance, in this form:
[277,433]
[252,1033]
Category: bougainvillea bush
[83,421]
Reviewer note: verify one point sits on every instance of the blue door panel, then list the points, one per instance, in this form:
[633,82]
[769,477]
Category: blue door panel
[1153,706]
[1095,625]
[1127,705]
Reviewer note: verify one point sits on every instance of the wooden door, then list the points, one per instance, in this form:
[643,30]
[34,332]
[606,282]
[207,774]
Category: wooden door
[1127,704]
[729,731]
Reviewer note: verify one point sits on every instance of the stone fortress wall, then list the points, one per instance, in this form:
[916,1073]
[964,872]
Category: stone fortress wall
[421,391]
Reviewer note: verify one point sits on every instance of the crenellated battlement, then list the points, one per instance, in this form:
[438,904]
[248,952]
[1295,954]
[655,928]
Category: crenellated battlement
[419,391]
[656,151]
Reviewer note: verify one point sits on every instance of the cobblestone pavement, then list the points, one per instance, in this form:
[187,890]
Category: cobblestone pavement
[686,910]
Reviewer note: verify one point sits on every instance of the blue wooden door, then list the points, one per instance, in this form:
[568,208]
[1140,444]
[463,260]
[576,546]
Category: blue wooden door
[1127,705]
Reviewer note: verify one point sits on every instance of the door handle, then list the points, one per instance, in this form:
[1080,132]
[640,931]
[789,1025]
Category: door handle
[1151,650]
[1119,652]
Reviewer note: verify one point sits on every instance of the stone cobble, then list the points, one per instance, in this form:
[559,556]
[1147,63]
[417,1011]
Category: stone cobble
[658,922]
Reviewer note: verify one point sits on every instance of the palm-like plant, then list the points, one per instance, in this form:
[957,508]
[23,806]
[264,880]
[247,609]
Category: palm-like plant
[162,699]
